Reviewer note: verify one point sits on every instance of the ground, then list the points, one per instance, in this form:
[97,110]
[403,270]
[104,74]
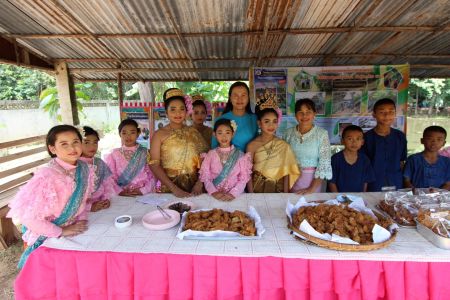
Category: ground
[8,270]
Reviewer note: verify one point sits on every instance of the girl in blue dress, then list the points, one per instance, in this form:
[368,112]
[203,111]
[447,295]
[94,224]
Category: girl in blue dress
[238,109]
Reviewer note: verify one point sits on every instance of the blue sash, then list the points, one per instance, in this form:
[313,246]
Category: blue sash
[135,165]
[71,208]
[228,166]
[102,172]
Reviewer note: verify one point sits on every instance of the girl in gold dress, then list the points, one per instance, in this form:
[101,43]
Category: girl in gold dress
[175,150]
[275,167]
[200,112]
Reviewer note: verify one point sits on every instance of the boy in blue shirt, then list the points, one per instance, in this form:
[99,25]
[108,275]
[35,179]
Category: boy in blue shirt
[428,168]
[385,147]
[352,171]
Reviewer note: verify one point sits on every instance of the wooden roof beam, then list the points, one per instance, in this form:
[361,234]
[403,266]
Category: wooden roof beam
[14,54]
[291,31]
[154,70]
[188,70]
[340,55]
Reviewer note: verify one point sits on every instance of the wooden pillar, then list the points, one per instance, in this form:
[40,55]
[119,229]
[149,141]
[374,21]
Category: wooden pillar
[120,93]
[66,94]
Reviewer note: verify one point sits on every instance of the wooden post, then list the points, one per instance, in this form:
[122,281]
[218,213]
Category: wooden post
[66,94]
[120,93]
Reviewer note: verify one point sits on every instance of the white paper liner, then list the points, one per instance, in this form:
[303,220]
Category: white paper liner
[379,234]
[221,234]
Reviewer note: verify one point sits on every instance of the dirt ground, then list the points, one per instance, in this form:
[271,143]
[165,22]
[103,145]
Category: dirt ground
[8,270]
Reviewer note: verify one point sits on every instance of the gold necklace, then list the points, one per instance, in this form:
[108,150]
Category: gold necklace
[302,134]
[223,156]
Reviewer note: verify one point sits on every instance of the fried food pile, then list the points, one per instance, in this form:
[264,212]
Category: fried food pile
[403,213]
[218,219]
[339,219]
[438,220]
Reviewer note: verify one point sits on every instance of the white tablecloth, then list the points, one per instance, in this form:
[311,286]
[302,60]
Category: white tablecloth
[102,235]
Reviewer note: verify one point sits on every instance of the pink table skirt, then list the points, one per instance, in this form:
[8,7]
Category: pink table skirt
[61,274]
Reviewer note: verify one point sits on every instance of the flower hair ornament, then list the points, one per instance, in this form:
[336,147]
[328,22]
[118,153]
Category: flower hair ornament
[269,100]
[188,101]
[233,125]
[206,102]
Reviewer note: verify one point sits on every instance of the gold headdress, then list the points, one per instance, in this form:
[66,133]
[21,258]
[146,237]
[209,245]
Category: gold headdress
[174,93]
[197,97]
[268,100]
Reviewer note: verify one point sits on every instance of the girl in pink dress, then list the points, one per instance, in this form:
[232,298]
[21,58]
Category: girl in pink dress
[53,202]
[105,186]
[225,170]
[128,163]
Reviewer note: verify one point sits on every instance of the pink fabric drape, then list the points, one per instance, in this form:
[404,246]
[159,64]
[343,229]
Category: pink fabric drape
[61,274]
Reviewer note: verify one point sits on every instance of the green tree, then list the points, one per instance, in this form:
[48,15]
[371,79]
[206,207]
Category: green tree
[18,83]
[50,101]
[432,92]
[213,91]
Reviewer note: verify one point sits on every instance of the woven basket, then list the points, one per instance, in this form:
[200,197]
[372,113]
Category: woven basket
[342,247]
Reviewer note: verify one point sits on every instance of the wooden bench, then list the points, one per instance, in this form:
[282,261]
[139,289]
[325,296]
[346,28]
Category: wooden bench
[8,231]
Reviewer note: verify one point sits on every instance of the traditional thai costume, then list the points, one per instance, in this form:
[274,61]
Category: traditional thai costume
[55,196]
[129,168]
[105,186]
[313,154]
[271,163]
[180,157]
[207,133]
[226,170]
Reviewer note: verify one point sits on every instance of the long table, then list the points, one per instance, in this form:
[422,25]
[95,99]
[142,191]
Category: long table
[135,263]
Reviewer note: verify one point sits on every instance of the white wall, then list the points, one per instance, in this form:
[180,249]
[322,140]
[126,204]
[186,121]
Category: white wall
[22,123]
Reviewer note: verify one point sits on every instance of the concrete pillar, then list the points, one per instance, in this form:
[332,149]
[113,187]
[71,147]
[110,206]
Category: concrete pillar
[66,94]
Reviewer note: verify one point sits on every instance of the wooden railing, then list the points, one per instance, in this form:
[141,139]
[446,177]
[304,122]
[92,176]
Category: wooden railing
[8,231]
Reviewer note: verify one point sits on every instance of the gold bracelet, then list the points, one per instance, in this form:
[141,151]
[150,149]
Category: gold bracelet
[153,162]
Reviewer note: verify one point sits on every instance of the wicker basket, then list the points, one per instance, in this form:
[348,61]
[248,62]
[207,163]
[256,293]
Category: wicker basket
[342,247]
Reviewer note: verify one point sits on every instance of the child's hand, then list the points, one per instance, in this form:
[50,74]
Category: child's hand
[305,191]
[217,195]
[99,205]
[180,193]
[227,197]
[74,229]
[130,192]
[198,188]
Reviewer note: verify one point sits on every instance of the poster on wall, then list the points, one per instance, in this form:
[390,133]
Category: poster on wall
[342,95]
[138,111]
[273,81]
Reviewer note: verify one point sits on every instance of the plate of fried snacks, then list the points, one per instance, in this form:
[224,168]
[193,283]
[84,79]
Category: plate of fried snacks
[219,224]
[403,206]
[433,223]
[338,225]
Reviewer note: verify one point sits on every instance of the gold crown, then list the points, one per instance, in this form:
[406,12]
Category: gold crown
[197,97]
[268,100]
[174,93]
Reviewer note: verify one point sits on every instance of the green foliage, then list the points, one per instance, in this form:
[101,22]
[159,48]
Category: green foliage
[214,91]
[18,83]
[50,101]
[431,92]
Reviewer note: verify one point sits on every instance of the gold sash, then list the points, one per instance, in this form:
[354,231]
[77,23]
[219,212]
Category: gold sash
[271,163]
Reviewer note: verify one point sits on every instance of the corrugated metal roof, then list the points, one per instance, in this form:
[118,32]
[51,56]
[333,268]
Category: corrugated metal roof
[213,35]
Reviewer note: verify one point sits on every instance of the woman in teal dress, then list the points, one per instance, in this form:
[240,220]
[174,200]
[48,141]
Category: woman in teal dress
[238,109]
